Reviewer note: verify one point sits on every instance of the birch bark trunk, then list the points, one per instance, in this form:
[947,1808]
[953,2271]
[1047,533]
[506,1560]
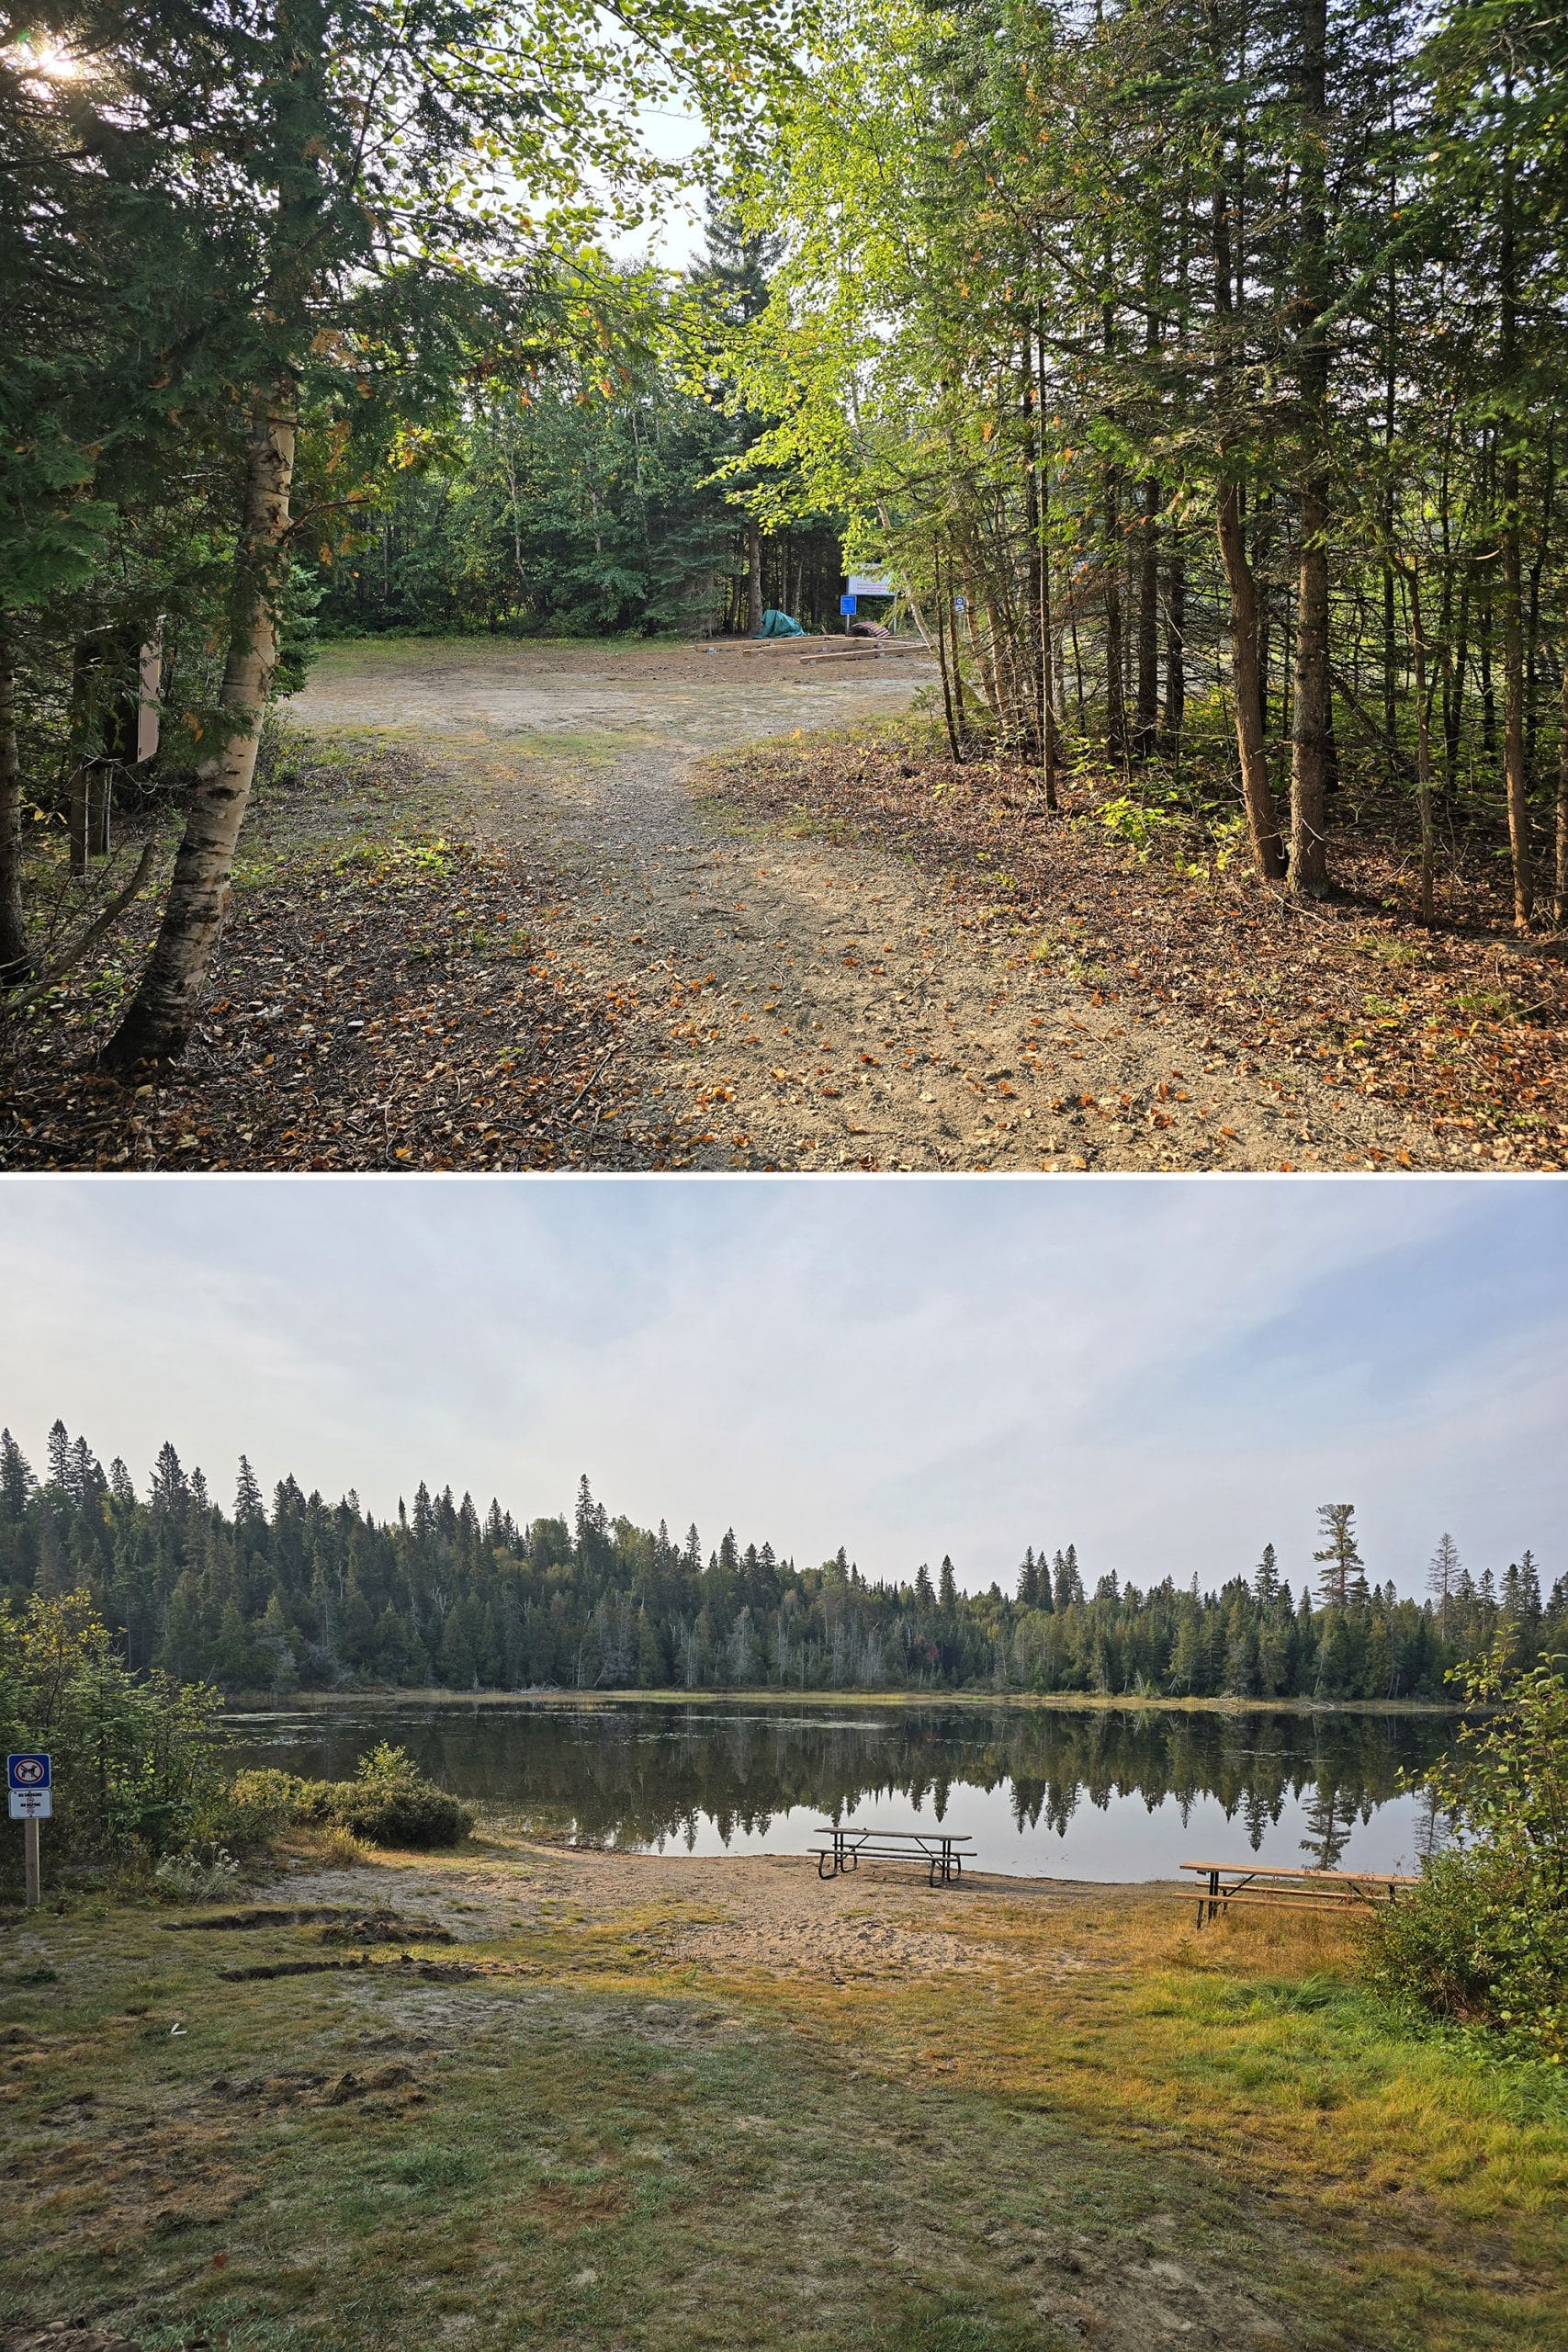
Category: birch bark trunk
[158,1022]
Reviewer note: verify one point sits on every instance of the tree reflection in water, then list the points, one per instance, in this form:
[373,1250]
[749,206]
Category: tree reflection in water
[1050,1789]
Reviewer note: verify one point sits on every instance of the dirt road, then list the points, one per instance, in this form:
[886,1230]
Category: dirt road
[801,1003]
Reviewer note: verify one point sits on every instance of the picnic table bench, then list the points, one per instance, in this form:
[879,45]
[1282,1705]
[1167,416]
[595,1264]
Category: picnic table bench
[1221,1884]
[939,1852]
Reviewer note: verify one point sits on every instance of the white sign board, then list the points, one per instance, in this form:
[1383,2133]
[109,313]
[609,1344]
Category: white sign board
[29,1778]
[871,584]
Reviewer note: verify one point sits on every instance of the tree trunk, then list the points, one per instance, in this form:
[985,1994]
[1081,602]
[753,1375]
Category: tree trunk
[1115,702]
[1456,672]
[16,961]
[1561,894]
[1246,681]
[1175,652]
[1515,780]
[1423,747]
[753,577]
[1145,731]
[1391,419]
[85,728]
[942,621]
[1263,829]
[1312,698]
[159,1020]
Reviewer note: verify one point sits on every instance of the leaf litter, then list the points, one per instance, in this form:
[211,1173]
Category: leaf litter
[1460,1024]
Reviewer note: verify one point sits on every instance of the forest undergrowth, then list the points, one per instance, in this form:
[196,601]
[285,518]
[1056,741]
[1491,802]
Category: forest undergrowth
[1147,897]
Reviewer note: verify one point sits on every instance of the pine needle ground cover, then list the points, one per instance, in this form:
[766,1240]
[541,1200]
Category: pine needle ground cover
[454,2099]
[1140,892]
[387,996]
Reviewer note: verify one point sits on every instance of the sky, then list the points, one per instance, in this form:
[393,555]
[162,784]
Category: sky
[1169,1374]
[677,237]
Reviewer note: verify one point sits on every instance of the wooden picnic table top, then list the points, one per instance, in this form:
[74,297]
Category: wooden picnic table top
[868,1830]
[1304,1869]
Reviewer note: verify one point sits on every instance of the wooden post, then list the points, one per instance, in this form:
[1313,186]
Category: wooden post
[150,668]
[81,776]
[30,1858]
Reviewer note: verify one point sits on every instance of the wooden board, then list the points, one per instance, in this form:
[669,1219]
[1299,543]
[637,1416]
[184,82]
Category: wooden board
[867,653]
[1312,1878]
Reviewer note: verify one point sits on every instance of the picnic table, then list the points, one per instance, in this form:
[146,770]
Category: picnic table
[940,1853]
[1221,1884]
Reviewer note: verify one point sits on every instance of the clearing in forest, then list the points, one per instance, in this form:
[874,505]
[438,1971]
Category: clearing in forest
[797,996]
[507,904]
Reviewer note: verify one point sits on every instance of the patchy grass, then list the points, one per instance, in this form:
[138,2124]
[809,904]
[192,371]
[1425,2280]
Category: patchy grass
[1122,2131]
[1255,2045]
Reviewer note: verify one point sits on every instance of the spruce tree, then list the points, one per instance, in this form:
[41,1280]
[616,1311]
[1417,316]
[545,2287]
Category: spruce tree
[1443,1575]
[1342,1578]
[60,1465]
[248,1505]
[16,1479]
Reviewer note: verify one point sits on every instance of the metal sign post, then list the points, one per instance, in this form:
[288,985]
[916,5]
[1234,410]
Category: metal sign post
[30,1783]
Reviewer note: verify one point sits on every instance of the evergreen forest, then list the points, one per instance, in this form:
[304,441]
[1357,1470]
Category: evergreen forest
[1198,365]
[318,1595]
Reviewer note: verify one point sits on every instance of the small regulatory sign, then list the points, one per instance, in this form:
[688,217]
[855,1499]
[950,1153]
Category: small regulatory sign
[30,1783]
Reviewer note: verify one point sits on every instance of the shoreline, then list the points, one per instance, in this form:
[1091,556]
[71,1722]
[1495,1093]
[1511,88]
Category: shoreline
[1023,1702]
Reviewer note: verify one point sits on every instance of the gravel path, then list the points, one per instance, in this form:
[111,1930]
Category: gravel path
[802,1003]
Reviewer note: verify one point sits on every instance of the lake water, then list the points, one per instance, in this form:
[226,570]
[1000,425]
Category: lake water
[1091,1794]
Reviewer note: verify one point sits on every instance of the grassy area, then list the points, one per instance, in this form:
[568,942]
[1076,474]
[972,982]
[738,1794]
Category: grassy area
[559,2129]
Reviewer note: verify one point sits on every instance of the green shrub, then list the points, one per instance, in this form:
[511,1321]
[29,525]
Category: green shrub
[253,1808]
[388,1803]
[1484,1938]
[138,1767]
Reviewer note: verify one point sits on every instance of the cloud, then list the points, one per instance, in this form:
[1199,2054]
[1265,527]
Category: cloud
[1167,1372]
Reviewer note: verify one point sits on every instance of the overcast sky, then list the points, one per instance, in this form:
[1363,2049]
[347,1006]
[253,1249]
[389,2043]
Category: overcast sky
[1167,1373]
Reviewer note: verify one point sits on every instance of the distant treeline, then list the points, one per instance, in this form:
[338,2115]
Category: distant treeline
[318,1594]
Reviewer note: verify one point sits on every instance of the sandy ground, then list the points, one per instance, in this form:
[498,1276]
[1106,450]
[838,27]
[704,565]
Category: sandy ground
[803,1004]
[732,1914]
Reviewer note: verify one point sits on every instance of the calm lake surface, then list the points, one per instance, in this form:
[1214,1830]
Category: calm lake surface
[1091,1794]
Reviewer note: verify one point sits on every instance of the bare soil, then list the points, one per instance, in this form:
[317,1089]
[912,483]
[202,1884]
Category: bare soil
[730,1915]
[804,1002]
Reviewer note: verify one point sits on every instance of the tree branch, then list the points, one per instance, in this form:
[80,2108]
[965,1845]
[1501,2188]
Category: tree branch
[20,998]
